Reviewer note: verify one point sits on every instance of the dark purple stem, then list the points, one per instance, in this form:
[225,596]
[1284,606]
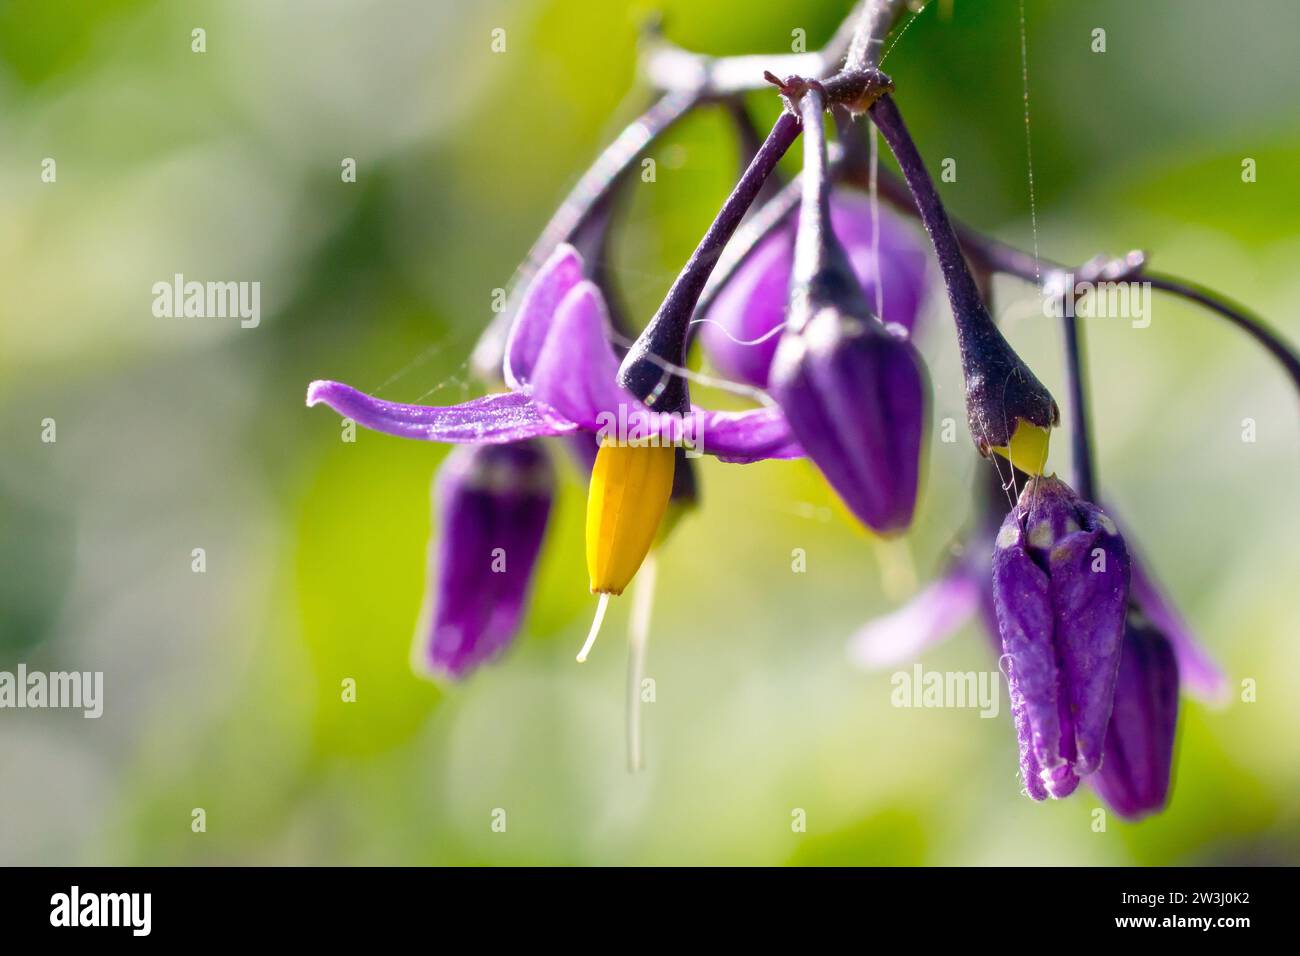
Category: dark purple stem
[601,177]
[997,256]
[1235,313]
[1000,389]
[815,203]
[765,221]
[750,141]
[963,294]
[1085,474]
[663,342]
[821,271]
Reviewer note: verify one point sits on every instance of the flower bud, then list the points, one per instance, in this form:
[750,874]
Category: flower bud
[492,503]
[855,395]
[739,330]
[1134,774]
[1009,411]
[853,389]
[1060,588]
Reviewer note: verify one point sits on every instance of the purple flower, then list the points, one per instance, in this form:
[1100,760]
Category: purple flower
[1060,587]
[964,586]
[561,367]
[1134,775]
[855,395]
[1159,654]
[492,503]
[740,328]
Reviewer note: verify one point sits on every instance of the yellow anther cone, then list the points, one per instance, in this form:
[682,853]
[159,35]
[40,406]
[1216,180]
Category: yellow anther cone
[630,487]
[1027,449]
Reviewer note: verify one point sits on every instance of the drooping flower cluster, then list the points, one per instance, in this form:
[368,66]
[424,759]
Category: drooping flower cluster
[819,318]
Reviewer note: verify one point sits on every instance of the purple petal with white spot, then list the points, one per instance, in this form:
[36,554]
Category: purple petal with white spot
[569,369]
[743,437]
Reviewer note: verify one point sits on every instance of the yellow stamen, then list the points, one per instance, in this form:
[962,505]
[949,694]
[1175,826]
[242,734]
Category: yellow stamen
[1027,449]
[630,486]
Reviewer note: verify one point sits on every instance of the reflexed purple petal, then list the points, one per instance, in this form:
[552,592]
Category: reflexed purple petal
[935,613]
[1022,596]
[492,503]
[1200,674]
[492,419]
[1089,570]
[1134,776]
[532,324]
[741,437]
[753,303]
[856,396]
[575,372]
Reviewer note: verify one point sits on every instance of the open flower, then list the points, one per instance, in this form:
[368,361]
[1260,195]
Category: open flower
[561,370]
[741,328]
[561,367]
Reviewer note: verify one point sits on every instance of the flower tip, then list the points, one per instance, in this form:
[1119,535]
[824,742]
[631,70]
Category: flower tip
[1059,782]
[1027,449]
[316,391]
[439,675]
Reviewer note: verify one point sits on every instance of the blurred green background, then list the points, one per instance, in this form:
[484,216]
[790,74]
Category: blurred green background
[223,688]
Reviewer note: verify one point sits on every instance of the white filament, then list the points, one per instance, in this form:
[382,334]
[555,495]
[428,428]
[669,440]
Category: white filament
[638,633]
[595,628]
[775,330]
